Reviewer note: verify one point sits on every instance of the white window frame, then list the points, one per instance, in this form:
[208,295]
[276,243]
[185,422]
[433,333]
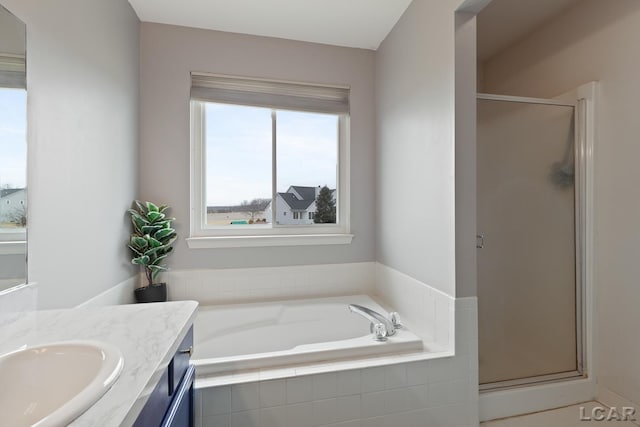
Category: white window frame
[14,242]
[205,236]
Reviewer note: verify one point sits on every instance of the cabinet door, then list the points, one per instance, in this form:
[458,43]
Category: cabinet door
[156,407]
[180,362]
[180,413]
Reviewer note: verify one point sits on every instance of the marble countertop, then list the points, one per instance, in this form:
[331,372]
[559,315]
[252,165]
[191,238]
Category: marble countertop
[147,335]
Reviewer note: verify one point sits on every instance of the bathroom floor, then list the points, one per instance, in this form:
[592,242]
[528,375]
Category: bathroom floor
[569,416]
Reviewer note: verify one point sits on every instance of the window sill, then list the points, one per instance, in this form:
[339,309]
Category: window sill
[264,241]
[16,247]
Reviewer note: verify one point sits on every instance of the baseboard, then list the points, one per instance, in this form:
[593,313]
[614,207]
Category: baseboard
[613,400]
[525,400]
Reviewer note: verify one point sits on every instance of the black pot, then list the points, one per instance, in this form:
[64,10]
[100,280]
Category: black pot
[153,293]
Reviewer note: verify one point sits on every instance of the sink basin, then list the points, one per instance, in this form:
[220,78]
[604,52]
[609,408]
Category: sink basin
[50,385]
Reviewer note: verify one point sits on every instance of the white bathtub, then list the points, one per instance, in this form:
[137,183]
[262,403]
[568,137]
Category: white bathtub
[231,338]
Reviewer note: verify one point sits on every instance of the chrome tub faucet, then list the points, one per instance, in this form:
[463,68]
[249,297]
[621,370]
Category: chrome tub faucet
[381,326]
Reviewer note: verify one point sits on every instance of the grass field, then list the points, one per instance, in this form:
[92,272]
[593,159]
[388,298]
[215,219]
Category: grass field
[227,217]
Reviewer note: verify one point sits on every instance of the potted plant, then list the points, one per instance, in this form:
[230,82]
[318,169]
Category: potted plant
[151,242]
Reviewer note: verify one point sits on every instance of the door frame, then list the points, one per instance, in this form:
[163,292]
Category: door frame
[581,100]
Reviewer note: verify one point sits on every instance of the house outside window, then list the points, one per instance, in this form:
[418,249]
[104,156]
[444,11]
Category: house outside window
[262,151]
[299,202]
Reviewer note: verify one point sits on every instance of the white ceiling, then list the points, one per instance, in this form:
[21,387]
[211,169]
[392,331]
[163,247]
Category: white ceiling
[505,22]
[352,23]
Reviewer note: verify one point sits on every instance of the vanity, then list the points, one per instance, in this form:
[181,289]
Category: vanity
[171,402]
[155,385]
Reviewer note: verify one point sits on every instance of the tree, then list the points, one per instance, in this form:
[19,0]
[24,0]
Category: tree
[18,216]
[325,207]
[254,207]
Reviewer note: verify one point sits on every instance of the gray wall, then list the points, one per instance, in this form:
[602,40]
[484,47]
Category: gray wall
[82,59]
[415,86]
[12,35]
[170,53]
[465,166]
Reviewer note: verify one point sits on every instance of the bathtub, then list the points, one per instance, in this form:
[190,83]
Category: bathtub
[232,338]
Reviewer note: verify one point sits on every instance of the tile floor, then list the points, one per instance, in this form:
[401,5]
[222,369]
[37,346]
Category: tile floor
[562,417]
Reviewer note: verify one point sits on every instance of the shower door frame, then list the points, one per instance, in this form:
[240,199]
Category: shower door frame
[582,186]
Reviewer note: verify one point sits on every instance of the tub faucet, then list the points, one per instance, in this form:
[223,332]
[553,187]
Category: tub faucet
[380,325]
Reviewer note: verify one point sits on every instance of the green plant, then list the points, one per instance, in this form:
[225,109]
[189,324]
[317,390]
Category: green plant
[325,207]
[152,238]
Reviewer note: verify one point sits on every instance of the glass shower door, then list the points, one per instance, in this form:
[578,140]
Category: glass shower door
[526,216]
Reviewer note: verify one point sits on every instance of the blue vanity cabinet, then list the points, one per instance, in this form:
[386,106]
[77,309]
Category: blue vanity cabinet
[180,413]
[171,402]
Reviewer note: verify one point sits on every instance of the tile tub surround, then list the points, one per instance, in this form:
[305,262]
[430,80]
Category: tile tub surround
[292,333]
[426,310]
[237,285]
[147,335]
[437,389]
[436,327]
[436,392]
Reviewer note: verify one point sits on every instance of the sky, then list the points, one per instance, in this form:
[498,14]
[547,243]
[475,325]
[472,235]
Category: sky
[13,138]
[238,151]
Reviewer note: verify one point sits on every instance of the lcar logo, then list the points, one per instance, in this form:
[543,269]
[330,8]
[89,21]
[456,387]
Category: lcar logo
[600,413]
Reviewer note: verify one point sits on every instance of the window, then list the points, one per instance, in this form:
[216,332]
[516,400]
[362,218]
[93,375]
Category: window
[13,161]
[263,154]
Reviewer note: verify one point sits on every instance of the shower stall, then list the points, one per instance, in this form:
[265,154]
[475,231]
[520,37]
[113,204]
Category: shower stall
[530,192]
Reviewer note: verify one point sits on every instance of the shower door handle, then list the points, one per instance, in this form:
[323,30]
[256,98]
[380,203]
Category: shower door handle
[480,241]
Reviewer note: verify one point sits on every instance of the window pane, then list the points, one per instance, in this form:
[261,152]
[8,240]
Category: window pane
[238,164]
[13,159]
[307,162]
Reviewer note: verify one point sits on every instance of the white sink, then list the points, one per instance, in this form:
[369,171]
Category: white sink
[50,385]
